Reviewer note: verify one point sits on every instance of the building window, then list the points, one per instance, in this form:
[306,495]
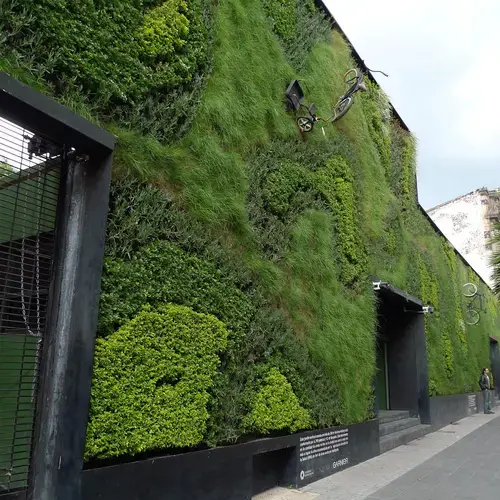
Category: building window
[488,247]
[484,201]
[487,234]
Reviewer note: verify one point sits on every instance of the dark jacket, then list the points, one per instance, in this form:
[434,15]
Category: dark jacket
[484,382]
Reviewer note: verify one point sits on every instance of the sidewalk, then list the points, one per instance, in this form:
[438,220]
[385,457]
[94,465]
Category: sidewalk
[459,462]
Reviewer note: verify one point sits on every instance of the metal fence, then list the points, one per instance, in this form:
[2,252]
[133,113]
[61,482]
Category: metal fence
[29,189]
[53,211]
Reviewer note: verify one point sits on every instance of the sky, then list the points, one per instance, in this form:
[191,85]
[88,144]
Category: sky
[14,146]
[442,57]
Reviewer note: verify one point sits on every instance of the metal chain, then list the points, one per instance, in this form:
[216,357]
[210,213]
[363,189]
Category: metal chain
[37,270]
[37,281]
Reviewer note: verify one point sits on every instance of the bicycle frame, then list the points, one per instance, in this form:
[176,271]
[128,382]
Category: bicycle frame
[356,86]
[478,296]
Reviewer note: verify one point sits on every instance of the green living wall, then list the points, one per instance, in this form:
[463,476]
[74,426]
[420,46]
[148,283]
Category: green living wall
[236,298]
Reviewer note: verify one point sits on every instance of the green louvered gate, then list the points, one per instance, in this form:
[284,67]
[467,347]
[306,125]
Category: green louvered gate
[29,188]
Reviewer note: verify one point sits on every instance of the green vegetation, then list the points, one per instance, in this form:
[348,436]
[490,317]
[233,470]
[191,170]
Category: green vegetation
[276,407]
[161,273]
[151,381]
[495,261]
[139,62]
[17,359]
[262,238]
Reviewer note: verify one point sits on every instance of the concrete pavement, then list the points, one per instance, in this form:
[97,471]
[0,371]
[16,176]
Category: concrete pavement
[458,462]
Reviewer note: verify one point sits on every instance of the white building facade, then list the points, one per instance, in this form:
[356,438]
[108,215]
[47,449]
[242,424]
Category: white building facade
[467,221]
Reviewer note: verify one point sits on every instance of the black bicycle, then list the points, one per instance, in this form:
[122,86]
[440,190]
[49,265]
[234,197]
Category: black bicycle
[354,78]
[472,316]
[305,113]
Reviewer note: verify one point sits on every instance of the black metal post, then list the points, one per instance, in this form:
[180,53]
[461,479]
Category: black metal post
[70,337]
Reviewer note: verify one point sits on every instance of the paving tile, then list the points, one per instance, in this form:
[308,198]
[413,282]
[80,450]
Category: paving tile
[460,463]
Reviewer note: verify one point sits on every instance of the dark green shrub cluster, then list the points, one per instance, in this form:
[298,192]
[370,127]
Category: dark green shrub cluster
[160,273]
[299,26]
[151,382]
[336,183]
[141,214]
[377,111]
[130,60]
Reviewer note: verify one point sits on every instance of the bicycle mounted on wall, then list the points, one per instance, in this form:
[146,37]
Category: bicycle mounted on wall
[305,121]
[473,312]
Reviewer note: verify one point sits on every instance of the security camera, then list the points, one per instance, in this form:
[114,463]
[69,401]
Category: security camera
[428,310]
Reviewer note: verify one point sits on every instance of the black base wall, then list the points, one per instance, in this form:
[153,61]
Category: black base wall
[274,468]
[236,472]
[445,410]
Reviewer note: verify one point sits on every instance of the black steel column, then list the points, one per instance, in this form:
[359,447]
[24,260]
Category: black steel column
[70,337]
[422,369]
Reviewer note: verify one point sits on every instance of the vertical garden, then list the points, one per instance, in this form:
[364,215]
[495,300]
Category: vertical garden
[236,298]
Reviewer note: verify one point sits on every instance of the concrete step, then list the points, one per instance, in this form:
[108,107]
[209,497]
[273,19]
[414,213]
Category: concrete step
[403,437]
[387,416]
[398,425]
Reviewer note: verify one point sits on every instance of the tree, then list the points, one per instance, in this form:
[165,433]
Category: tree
[5,168]
[495,259]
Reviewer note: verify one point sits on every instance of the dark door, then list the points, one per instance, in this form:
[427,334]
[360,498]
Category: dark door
[382,396]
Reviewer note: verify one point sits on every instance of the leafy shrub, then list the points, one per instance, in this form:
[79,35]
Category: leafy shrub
[161,273]
[269,342]
[283,16]
[115,53]
[284,186]
[377,110]
[299,26]
[151,379]
[275,407]
[336,182]
[164,30]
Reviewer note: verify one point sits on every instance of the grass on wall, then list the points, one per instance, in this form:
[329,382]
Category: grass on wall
[241,117]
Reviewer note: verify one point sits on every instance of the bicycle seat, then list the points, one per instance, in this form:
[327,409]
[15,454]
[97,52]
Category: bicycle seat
[361,86]
[294,95]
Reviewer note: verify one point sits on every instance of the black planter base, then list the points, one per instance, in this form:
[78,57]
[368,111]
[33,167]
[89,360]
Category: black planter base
[445,410]
[236,472]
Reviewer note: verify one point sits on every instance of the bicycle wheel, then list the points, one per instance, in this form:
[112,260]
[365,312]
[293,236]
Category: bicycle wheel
[470,289]
[342,108]
[472,317]
[305,124]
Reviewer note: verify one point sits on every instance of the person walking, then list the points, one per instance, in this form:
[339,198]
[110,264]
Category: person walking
[484,383]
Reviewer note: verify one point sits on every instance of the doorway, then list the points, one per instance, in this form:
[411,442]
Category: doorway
[382,379]
[495,363]
[401,379]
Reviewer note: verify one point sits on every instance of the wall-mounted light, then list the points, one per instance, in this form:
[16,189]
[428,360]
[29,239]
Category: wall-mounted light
[377,285]
[425,310]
